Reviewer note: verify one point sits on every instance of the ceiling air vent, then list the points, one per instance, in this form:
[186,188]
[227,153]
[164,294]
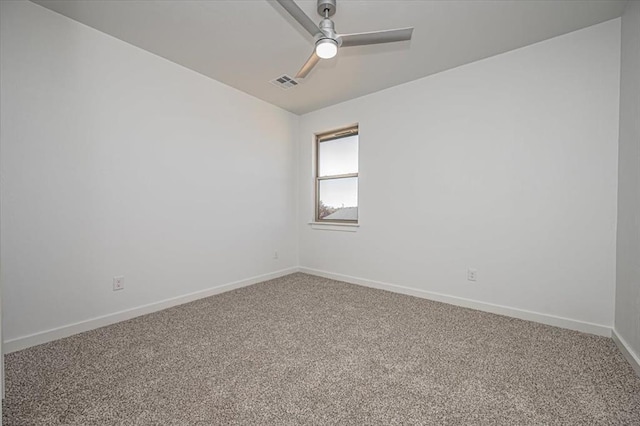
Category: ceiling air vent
[284,82]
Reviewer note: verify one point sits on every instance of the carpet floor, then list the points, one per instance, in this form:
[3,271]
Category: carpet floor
[307,350]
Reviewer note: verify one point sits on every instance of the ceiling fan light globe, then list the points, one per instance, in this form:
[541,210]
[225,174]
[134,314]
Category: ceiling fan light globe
[326,48]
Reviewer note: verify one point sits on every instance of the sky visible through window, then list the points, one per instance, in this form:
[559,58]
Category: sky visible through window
[339,193]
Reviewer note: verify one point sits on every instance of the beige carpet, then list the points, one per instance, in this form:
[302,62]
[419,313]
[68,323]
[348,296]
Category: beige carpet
[306,350]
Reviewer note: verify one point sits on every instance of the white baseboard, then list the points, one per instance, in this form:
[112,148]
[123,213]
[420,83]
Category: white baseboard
[625,348]
[104,320]
[101,321]
[571,324]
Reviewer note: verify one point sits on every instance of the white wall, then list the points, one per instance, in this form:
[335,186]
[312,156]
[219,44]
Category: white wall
[627,321]
[118,162]
[507,165]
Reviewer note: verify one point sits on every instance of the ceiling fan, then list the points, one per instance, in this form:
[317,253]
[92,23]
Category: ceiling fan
[328,41]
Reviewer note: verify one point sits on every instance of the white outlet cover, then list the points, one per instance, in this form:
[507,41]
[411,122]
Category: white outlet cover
[472,274]
[118,283]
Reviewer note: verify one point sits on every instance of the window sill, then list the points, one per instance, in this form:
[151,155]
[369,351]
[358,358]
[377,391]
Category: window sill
[344,227]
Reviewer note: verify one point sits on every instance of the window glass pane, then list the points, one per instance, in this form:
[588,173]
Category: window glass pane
[338,199]
[338,156]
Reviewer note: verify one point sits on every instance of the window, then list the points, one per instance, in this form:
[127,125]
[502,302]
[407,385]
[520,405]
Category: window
[337,176]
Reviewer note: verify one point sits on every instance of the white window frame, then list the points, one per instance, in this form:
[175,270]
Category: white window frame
[352,130]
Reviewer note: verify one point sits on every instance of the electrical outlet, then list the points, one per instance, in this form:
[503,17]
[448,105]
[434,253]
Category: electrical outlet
[275,255]
[118,283]
[472,274]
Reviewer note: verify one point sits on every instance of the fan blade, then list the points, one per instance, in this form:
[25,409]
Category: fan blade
[308,66]
[297,14]
[375,37]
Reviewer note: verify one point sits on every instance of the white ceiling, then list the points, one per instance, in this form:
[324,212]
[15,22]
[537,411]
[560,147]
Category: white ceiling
[247,43]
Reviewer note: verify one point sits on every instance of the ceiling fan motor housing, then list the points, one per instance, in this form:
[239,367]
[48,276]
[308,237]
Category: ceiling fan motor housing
[328,5]
[328,30]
